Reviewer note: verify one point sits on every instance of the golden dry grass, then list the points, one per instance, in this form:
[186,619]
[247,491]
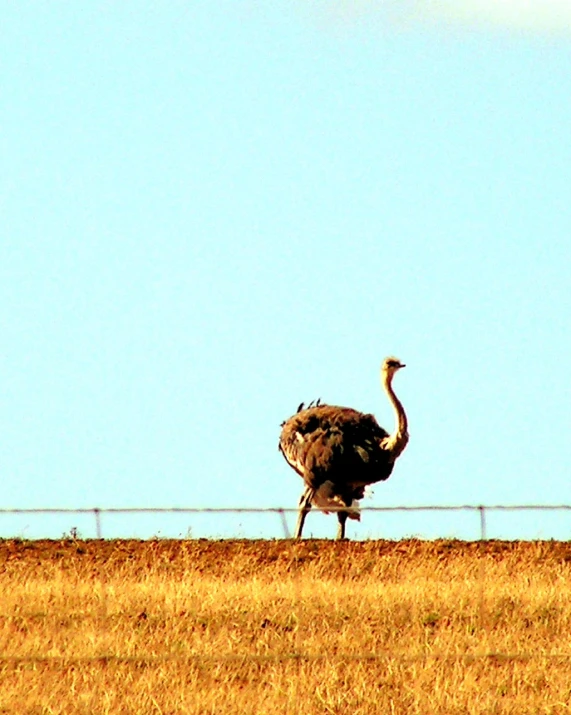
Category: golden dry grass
[283,627]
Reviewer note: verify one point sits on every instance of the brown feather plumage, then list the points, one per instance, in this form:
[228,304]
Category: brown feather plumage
[336,444]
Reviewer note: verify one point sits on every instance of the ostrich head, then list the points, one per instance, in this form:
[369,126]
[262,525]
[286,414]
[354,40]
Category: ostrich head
[390,366]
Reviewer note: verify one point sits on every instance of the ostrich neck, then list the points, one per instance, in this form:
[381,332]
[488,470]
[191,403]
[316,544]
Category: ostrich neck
[398,440]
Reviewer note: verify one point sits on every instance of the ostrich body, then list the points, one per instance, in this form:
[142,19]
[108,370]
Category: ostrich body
[338,451]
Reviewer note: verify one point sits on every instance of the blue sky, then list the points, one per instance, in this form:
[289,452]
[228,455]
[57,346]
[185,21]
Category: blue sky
[213,211]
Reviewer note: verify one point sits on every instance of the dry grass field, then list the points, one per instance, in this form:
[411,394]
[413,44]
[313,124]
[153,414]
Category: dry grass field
[283,627]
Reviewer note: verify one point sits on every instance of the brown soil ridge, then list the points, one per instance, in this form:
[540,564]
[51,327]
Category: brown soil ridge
[244,557]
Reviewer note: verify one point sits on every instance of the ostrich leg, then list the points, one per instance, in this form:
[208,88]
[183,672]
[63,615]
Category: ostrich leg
[304,507]
[342,518]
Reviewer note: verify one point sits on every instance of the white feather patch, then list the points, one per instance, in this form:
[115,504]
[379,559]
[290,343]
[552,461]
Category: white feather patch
[325,497]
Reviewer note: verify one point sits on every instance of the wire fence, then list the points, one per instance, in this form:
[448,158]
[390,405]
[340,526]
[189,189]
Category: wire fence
[65,661]
[281,513]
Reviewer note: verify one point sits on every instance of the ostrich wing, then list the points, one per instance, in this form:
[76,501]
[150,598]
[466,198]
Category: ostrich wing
[337,444]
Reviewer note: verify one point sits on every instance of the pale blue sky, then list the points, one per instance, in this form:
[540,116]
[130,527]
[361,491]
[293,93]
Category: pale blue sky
[213,211]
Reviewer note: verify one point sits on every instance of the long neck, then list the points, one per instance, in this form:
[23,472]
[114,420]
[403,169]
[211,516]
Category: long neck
[399,438]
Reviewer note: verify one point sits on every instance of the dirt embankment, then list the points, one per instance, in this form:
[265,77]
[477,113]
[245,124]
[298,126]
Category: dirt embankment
[239,558]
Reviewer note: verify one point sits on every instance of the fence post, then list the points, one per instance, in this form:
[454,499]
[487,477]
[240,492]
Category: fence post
[284,523]
[97,513]
[482,510]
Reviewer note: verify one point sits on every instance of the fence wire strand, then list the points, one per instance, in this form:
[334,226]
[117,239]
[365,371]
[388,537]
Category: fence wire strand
[275,658]
[97,512]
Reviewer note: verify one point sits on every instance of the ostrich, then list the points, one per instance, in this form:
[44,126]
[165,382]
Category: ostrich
[338,451]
